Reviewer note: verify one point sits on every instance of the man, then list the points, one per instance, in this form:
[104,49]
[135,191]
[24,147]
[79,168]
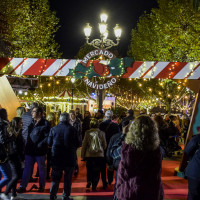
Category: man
[64,141]
[36,149]
[78,114]
[110,128]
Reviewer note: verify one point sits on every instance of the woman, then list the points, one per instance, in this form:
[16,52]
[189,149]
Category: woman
[139,172]
[94,155]
[4,141]
[193,169]
[16,154]
[20,111]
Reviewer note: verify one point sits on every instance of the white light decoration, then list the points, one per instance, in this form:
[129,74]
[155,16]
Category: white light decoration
[103,42]
[117,31]
[87,30]
[104,17]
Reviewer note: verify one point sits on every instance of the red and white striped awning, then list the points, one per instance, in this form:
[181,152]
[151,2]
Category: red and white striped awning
[61,67]
[65,94]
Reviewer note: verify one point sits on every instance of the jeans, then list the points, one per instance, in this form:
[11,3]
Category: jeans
[16,169]
[56,176]
[5,171]
[28,170]
[193,189]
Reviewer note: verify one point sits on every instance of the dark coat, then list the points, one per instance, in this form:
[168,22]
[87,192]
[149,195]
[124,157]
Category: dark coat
[85,125]
[139,175]
[77,126]
[4,141]
[193,151]
[17,146]
[109,159]
[37,138]
[109,128]
[64,141]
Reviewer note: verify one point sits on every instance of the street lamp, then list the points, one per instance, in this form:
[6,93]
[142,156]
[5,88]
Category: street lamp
[103,43]
[72,80]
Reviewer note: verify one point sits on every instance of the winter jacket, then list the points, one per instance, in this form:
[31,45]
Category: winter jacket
[139,175]
[77,126]
[193,151]
[4,141]
[85,153]
[111,146]
[64,141]
[16,147]
[109,128]
[37,138]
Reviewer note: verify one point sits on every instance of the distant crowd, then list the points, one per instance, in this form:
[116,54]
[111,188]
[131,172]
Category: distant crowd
[127,147]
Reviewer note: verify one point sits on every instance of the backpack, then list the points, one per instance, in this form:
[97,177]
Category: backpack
[95,145]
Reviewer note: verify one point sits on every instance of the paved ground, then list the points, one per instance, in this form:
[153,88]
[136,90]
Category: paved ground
[45,197]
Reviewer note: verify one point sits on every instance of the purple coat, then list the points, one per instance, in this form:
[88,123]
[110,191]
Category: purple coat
[139,175]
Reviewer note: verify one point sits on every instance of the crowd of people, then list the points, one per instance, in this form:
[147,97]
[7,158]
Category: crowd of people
[122,146]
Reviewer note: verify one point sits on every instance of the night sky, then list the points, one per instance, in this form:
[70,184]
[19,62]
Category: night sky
[74,15]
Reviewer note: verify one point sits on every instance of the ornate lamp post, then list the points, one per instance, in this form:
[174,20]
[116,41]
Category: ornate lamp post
[103,42]
[72,80]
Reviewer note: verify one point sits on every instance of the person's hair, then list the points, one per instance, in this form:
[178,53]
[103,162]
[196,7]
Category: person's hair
[94,123]
[77,109]
[64,117]
[20,111]
[72,112]
[173,117]
[143,134]
[3,114]
[13,127]
[160,121]
[39,109]
[51,117]
[33,105]
[88,113]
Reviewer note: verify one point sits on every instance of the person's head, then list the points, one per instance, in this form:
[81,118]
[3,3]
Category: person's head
[33,105]
[159,121]
[37,113]
[166,117]
[131,112]
[72,114]
[3,114]
[64,117]
[99,113]
[198,129]
[143,134]
[51,117]
[20,111]
[77,110]
[108,114]
[94,123]
[87,114]
[16,124]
